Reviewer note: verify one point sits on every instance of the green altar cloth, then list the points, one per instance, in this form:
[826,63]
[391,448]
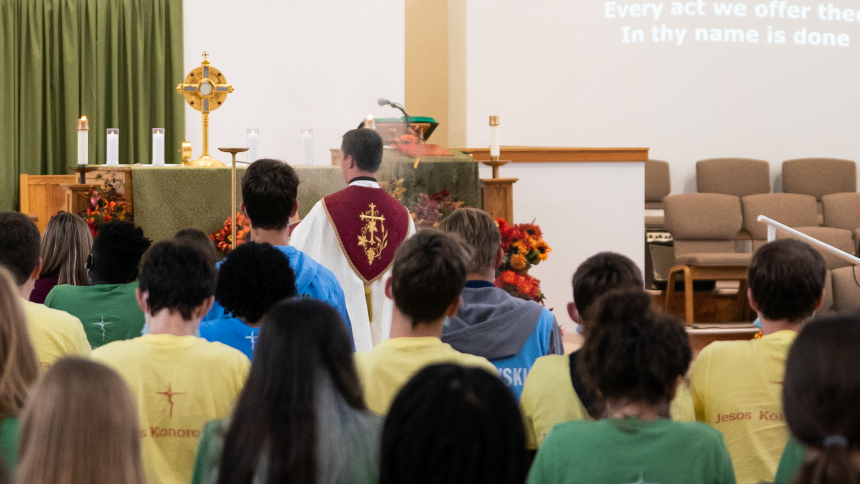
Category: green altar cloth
[170,198]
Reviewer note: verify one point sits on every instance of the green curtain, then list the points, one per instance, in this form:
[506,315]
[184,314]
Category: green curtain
[117,62]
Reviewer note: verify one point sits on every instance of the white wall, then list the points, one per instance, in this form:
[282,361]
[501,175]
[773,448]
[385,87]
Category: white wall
[318,64]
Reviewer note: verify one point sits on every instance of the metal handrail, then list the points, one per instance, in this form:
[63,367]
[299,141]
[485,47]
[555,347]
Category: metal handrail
[772,225]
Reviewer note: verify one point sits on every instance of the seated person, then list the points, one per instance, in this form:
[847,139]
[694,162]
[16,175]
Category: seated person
[737,385]
[303,399]
[452,424]
[269,190]
[635,357]
[200,241]
[427,277]
[66,243]
[252,279]
[107,307]
[510,332]
[54,333]
[820,392]
[180,381]
[554,392]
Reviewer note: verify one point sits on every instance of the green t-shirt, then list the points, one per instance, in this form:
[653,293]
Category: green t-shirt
[622,451]
[791,461]
[9,444]
[109,312]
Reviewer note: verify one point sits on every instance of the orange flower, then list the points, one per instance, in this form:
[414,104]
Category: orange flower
[518,261]
[543,257]
[509,277]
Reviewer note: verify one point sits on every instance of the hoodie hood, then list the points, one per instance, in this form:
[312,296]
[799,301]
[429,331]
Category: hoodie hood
[303,266]
[491,323]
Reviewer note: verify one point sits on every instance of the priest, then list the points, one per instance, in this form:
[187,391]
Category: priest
[354,233]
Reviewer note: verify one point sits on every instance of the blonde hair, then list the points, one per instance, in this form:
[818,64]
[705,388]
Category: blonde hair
[19,365]
[66,243]
[479,231]
[80,425]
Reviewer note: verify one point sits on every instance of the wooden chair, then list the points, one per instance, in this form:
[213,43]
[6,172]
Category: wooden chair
[704,226]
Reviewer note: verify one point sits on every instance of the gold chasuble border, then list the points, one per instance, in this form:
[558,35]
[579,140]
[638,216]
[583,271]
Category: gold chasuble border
[345,254]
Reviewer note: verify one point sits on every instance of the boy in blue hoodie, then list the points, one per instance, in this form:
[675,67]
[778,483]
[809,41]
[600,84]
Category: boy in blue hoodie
[269,191]
[510,332]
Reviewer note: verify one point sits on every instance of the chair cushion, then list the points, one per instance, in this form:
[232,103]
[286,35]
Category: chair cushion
[839,238]
[827,302]
[657,181]
[846,289]
[726,259]
[819,176]
[703,216]
[733,176]
[786,208]
[842,210]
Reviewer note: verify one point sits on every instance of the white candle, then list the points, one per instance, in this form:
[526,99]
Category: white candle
[83,141]
[494,136]
[158,146]
[307,146]
[253,145]
[112,147]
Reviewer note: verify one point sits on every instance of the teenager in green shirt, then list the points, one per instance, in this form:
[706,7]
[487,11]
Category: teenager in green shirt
[107,307]
[635,357]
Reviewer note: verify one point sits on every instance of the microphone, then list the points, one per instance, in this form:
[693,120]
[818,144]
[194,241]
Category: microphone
[383,102]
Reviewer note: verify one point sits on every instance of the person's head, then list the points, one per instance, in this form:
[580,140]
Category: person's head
[427,276]
[80,425]
[598,275]
[19,366]
[453,424]
[786,281]
[302,395]
[633,353]
[19,248]
[477,229]
[116,253]
[252,279]
[269,191]
[821,389]
[199,240]
[361,152]
[66,243]
[176,278]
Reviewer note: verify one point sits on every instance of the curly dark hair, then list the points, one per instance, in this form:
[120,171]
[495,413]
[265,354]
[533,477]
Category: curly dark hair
[786,278]
[269,191]
[176,277]
[117,251]
[453,424]
[633,352]
[19,245]
[601,273]
[252,279]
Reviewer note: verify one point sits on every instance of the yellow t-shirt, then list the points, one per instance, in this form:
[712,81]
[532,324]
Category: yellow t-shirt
[55,334]
[737,388]
[385,369]
[549,399]
[180,383]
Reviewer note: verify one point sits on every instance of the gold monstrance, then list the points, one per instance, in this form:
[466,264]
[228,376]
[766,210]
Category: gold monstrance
[205,89]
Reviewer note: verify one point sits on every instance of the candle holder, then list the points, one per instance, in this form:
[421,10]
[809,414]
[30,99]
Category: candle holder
[82,171]
[234,222]
[495,163]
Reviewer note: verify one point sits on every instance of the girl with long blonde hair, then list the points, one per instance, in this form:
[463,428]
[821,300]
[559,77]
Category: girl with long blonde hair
[19,367]
[80,426]
[66,243]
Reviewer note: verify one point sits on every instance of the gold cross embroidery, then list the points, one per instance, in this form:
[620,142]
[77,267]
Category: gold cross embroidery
[372,244]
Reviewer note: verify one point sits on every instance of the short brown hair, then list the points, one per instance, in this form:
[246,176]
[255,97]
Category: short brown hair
[787,278]
[477,229]
[269,191]
[19,245]
[600,274]
[428,274]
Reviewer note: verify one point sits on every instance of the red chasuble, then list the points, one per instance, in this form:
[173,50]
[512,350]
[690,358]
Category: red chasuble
[370,225]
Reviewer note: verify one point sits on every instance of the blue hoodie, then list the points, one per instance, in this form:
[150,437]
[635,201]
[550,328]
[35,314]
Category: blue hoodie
[312,280]
[510,332]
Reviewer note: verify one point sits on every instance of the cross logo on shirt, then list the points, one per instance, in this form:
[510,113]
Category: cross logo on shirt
[102,324]
[253,337]
[169,394]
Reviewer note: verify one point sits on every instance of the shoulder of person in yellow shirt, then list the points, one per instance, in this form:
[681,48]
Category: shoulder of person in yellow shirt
[55,333]
[386,368]
[549,398]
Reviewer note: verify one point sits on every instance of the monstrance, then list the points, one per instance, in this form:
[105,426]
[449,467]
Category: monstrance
[205,89]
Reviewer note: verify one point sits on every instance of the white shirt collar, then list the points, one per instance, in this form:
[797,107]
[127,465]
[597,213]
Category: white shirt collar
[365,184]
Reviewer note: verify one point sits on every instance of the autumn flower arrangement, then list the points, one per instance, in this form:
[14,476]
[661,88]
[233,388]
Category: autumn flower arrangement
[523,245]
[431,209]
[106,204]
[222,237]
[522,286]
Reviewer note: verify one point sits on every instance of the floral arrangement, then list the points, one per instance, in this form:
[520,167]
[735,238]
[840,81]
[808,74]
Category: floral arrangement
[523,245]
[521,286]
[431,209]
[106,204]
[222,237]
[394,188]
[406,139]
